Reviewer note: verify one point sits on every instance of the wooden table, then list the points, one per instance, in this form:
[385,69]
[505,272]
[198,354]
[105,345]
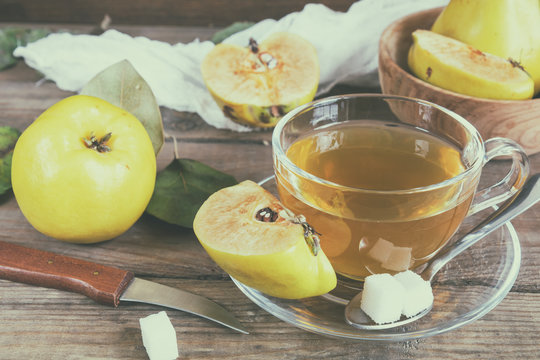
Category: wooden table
[38,323]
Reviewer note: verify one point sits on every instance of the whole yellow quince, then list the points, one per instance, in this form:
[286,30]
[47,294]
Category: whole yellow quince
[507,28]
[84,170]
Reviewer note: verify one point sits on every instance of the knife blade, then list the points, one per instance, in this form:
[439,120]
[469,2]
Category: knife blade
[104,284]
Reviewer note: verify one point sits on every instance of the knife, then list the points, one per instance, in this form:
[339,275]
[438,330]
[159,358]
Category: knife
[104,284]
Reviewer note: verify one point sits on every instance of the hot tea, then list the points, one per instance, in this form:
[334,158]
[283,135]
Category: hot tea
[379,210]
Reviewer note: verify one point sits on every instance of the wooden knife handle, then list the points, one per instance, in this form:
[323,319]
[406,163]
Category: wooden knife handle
[103,284]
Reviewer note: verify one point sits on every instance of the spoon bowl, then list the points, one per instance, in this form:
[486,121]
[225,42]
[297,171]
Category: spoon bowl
[520,202]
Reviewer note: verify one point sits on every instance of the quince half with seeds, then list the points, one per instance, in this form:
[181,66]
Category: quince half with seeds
[458,67]
[258,84]
[506,28]
[249,234]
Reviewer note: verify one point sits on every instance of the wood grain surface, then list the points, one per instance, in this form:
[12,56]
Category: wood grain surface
[157,12]
[39,323]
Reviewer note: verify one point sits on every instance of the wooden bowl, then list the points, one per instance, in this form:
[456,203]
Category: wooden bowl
[518,120]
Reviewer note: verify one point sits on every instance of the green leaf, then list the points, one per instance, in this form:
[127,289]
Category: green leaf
[10,38]
[231,29]
[182,187]
[8,138]
[121,85]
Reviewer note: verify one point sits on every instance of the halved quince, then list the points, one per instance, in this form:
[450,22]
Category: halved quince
[506,28]
[249,234]
[256,85]
[456,66]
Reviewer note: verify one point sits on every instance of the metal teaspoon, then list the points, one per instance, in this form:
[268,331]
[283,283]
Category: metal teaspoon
[523,200]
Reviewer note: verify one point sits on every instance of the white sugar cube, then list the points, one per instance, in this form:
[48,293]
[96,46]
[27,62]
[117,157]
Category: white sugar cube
[159,337]
[418,294]
[399,259]
[385,297]
[382,298]
[381,250]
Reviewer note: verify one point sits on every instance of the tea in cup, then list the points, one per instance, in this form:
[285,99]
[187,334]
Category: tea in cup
[385,180]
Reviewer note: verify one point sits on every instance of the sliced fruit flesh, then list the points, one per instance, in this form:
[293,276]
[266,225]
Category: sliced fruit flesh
[233,210]
[285,68]
[506,28]
[453,65]
[246,231]
[472,60]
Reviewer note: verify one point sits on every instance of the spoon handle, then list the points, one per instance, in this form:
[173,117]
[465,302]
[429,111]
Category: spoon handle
[527,197]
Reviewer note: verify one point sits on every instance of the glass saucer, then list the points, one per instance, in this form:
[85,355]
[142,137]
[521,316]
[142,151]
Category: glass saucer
[466,289]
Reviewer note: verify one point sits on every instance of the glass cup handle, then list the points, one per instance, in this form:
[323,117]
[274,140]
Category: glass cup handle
[511,183]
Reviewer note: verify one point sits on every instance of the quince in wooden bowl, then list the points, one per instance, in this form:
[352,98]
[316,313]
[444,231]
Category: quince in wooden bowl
[518,120]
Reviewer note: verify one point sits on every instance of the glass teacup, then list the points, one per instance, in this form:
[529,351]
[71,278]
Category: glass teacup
[385,180]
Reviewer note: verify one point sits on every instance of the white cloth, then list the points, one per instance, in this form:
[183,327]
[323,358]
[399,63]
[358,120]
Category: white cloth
[346,43]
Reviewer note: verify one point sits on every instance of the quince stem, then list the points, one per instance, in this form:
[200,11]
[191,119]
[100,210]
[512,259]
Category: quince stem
[310,235]
[100,145]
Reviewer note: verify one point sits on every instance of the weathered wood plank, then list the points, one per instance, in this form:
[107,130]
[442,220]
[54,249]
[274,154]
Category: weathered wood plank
[42,323]
[114,333]
[161,12]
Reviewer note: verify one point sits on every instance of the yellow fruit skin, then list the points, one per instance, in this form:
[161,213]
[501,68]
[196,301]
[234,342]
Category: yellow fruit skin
[432,69]
[278,274]
[506,28]
[76,194]
[259,116]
